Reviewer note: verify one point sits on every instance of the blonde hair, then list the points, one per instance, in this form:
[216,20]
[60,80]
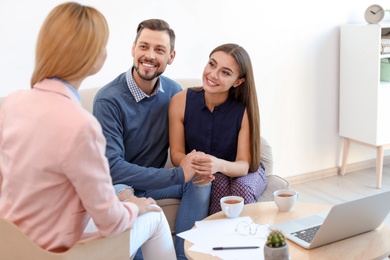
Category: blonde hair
[69,42]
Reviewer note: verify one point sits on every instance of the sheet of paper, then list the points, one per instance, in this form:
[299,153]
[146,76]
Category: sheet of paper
[222,233]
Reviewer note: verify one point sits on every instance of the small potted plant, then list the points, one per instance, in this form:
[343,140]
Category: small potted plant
[276,246]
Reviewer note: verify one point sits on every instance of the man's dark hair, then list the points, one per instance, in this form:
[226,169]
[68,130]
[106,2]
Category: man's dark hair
[157,25]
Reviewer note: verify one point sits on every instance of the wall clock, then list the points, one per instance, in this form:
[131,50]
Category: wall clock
[374,14]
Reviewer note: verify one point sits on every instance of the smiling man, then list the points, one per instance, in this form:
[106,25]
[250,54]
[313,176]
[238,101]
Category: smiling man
[133,112]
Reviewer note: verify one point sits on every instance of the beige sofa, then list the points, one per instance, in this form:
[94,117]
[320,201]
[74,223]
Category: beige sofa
[170,206]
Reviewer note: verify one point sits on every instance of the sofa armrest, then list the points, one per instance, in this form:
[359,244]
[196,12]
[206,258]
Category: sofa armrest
[14,244]
[266,155]
[274,183]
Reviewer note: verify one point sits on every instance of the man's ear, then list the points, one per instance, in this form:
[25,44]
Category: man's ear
[238,82]
[171,57]
[133,50]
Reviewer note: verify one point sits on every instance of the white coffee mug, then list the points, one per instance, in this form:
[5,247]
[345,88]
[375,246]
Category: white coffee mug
[285,199]
[232,206]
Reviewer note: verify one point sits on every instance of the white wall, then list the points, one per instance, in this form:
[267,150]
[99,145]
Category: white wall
[294,47]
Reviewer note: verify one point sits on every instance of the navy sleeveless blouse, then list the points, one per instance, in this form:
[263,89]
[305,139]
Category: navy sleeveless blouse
[214,133]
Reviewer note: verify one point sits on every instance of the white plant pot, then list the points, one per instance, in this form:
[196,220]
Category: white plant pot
[276,253]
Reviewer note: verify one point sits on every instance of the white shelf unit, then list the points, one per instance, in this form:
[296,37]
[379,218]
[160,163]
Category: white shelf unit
[364,100]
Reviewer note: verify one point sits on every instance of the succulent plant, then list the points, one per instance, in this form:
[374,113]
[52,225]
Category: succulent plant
[276,239]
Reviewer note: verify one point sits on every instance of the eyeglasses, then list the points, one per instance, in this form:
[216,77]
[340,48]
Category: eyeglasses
[244,228]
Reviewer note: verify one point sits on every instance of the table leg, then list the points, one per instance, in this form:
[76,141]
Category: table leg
[379,166]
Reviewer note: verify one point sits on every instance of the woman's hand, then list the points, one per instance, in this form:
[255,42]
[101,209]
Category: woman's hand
[186,164]
[205,164]
[202,180]
[145,205]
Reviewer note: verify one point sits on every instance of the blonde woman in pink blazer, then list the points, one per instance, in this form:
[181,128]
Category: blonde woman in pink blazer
[54,176]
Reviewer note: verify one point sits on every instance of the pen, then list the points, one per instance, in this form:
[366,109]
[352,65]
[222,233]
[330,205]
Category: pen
[235,247]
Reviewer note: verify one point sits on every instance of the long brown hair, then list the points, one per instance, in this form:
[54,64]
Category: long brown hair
[69,42]
[246,94]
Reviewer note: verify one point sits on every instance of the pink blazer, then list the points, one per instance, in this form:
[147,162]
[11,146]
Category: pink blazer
[54,174]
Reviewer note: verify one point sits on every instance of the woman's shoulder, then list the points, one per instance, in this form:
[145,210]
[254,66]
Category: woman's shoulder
[179,96]
[195,93]
[187,95]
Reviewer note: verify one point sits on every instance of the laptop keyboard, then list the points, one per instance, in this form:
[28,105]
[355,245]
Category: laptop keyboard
[307,234]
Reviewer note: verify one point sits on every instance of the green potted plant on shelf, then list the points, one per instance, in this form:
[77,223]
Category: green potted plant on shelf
[276,247]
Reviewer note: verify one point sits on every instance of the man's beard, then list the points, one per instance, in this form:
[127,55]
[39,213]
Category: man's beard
[150,78]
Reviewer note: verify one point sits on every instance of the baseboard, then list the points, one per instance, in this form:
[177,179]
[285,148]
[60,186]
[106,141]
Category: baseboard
[311,176]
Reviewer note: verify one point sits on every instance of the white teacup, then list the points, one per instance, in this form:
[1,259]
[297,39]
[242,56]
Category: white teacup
[285,199]
[232,206]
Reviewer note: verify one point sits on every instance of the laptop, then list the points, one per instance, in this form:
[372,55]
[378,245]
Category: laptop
[342,221]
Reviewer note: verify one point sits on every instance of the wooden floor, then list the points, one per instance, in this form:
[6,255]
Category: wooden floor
[337,189]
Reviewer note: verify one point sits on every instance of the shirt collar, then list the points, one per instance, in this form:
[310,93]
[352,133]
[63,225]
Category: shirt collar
[137,93]
[222,107]
[70,87]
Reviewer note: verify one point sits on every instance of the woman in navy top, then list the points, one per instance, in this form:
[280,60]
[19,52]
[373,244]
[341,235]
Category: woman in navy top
[221,119]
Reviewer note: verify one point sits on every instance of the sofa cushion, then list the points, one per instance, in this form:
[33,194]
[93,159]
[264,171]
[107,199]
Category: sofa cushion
[87,96]
[170,208]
